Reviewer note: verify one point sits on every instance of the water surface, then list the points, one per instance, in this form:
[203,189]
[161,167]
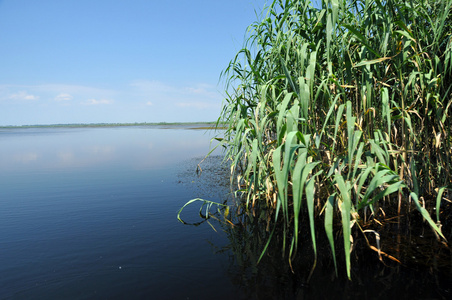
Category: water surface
[91,213]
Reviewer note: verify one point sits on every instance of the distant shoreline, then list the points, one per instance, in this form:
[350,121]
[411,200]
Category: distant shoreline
[189,125]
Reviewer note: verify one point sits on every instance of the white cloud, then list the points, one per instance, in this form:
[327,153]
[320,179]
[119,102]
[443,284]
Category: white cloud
[63,97]
[63,92]
[23,95]
[151,86]
[77,90]
[198,105]
[199,95]
[195,90]
[97,102]
[137,101]
[203,90]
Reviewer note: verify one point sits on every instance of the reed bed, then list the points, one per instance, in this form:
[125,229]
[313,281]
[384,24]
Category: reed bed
[338,111]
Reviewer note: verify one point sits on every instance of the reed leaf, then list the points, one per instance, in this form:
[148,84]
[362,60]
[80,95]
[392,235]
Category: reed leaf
[340,106]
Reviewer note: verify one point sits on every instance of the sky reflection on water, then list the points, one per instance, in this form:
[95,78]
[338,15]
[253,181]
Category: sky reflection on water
[67,148]
[91,213]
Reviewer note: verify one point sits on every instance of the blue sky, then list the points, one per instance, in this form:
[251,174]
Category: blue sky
[85,61]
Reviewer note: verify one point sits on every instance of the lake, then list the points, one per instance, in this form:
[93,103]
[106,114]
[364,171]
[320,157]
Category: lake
[91,213]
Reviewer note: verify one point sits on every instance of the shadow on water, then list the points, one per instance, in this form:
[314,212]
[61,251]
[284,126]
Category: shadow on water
[424,270]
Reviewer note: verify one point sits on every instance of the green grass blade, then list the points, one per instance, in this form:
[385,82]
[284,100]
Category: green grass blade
[425,214]
[438,199]
[346,223]
[329,210]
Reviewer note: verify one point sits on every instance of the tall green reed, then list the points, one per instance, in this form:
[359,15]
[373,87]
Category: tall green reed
[337,109]
[333,109]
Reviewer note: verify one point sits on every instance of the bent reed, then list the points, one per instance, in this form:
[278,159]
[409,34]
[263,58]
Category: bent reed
[337,110]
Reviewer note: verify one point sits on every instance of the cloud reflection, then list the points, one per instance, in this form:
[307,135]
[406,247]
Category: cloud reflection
[66,157]
[25,157]
[94,148]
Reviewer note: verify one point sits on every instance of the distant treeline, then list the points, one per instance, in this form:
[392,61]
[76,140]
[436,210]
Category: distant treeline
[78,125]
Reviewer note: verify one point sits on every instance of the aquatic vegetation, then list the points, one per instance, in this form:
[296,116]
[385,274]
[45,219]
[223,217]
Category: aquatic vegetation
[424,273]
[341,111]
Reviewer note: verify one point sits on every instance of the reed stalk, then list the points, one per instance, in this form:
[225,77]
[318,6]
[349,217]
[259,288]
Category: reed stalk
[335,109]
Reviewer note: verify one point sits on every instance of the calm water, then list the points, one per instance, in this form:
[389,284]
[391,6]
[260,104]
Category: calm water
[91,213]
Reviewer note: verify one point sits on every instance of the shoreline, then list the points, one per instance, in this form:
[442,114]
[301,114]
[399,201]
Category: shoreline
[188,125]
